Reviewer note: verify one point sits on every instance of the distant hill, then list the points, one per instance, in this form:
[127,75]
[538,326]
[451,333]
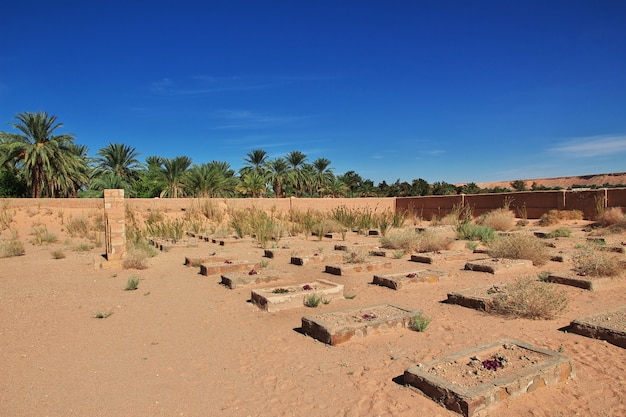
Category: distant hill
[598,180]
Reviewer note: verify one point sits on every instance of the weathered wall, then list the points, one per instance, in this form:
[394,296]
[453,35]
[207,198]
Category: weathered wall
[535,203]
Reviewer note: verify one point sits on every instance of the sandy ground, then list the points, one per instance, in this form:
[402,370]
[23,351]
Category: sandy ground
[183,345]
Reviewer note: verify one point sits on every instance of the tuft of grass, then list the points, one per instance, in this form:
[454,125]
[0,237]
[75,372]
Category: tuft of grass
[420,322]
[472,245]
[529,298]
[560,232]
[57,254]
[593,262]
[358,256]
[349,296]
[136,259]
[41,235]
[83,247]
[132,283]
[100,315]
[11,247]
[77,226]
[553,217]
[398,254]
[543,276]
[313,300]
[408,240]
[501,219]
[471,231]
[519,246]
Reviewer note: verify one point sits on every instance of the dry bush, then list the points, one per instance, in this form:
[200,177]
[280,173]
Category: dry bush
[519,246]
[531,299]
[553,217]
[593,262]
[409,240]
[135,259]
[612,217]
[356,256]
[500,219]
[78,226]
[11,247]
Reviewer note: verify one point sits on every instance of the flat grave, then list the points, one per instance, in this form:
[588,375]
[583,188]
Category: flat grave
[338,327]
[215,268]
[397,281]
[585,282]
[346,268]
[272,253]
[315,258]
[436,256]
[609,325]
[478,298]
[497,265]
[473,379]
[197,261]
[279,298]
[234,280]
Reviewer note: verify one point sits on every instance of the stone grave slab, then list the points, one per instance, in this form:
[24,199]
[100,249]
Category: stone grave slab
[436,256]
[497,265]
[478,298]
[364,267]
[315,258]
[234,280]
[215,268]
[473,379]
[584,282]
[338,327]
[197,261]
[279,298]
[609,325]
[397,281]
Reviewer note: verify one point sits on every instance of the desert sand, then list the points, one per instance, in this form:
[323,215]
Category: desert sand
[184,345]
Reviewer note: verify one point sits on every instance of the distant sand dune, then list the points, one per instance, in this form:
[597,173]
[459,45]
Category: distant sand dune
[565,182]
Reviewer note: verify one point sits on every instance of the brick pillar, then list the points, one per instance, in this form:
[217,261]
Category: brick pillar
[115,224]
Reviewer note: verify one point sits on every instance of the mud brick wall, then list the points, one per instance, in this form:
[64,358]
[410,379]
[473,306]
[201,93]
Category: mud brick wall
[428,207]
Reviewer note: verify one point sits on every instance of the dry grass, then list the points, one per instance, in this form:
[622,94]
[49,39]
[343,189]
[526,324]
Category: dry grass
[356,256]
[553,217]
[500,219]
[78,226]
[596,263]
[519,246]
[612,217]
[11,247]
[136,259]
[531,299]
[409,240]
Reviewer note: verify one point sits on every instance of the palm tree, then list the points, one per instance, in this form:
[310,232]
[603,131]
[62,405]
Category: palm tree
[337,188]
[296,161]
[51,165]
[253,184]
[119,159]
[173,173]
[277,175]
[255,160]
[322,175]
[210,180]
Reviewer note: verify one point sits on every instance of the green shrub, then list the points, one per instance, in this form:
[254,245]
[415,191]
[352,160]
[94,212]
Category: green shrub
[132,283]
[560,232]
[470,231]
[420,322]
[313,300]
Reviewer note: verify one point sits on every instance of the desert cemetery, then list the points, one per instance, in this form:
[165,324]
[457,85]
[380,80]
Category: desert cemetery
[474,305]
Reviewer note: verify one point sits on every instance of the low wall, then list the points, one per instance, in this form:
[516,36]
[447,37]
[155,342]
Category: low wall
[533,203]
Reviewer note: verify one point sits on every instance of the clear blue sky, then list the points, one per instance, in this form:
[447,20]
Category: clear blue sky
[455,91]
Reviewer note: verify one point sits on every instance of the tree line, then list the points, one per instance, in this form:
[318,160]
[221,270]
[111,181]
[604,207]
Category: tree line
[37,161]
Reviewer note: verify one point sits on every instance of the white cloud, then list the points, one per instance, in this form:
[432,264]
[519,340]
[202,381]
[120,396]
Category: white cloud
[592,146]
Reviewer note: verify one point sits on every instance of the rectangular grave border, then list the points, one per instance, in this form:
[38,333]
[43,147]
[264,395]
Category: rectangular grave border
[317,328]
[468,401]
[588,326]
[267,300]
[365,267]
[497,265]
[397,281]
[586,283]
[234,280]
[436,256]
[470,299]
[216,268]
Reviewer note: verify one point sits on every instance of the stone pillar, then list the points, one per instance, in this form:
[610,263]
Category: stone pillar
[115,224]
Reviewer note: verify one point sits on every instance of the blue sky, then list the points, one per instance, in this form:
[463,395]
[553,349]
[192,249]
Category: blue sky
[455,91]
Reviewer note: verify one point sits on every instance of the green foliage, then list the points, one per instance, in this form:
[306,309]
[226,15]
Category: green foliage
[470,231]
[313,300]
[560,232]
[420,322]
[132,283]
[100,315]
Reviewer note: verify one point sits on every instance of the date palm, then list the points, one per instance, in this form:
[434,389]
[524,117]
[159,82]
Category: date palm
[296,161]
[52,165]
[210,180]
[253,184]
[173,172]
[277,175]
[322,175]
[255,160]
[119,159]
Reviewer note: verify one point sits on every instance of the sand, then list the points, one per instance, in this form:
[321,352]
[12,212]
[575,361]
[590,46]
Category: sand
[184,345]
